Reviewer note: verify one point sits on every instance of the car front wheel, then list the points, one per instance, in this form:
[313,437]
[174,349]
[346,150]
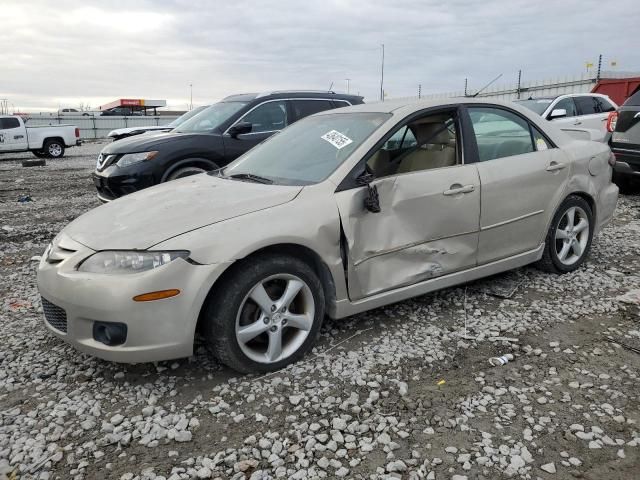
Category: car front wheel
[266,314]
[569,237]
[53,148]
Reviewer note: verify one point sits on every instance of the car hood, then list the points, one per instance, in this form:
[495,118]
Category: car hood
[146,218]
[122,131]
[148,142]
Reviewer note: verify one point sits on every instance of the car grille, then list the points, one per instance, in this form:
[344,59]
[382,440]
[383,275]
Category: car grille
[54,315]
[104,160]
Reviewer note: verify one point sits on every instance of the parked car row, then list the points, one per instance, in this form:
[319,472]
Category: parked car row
[348,209]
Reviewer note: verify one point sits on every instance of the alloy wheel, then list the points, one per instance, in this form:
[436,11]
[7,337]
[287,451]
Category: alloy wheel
[55,150]
[572,235]
[275,318]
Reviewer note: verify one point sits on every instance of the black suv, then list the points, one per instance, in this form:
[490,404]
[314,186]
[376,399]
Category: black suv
[625,143]
[209,140]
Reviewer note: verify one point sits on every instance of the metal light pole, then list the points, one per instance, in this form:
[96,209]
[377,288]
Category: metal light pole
[348,80]
[190,96]
[382,77]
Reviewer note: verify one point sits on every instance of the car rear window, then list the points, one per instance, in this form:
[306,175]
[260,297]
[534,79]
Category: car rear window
[633,99]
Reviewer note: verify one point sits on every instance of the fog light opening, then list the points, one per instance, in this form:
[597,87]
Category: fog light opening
[159,295]
[111,334]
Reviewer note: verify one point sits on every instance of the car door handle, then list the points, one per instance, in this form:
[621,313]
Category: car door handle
[457,189]
[555,166]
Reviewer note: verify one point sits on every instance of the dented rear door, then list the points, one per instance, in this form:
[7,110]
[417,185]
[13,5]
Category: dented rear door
[427,227]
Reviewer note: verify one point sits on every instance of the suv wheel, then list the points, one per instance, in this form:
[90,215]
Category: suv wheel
[569,238]
[185,172]
[266,315]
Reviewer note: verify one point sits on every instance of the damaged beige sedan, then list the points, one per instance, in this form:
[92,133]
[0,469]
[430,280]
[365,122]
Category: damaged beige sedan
[342,212]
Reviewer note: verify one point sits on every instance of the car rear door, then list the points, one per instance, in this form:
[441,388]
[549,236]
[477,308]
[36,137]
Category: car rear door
[266,118]
[303,107]
[591,117]
[523,178]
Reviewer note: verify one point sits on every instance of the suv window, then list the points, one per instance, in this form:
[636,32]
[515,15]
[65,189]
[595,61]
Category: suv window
[6,123]
[568,105]
[268,117]
[602,105]
[633,99]
[499,133]
[586,105]
[304,108]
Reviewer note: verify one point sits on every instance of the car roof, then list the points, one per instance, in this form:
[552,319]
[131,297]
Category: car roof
[248,97]
[408,106]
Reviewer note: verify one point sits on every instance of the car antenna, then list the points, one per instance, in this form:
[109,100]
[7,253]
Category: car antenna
[487,85]
[330,87]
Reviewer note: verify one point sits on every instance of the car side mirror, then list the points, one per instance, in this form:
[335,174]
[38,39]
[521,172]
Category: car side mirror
[240,128]
[372,200]
[557,113]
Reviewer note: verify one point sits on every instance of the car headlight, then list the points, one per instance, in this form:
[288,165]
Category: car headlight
[132,158]
[123,262]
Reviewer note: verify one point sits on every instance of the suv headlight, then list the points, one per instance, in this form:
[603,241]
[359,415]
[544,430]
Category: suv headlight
[123,262]
[133,158]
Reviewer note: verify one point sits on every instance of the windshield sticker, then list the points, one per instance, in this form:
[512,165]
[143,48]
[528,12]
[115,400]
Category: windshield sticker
[541,144]
[336,139]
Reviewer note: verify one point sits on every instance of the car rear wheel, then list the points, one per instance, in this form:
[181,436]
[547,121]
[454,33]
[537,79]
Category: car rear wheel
[53,148]
[265,315]
[185,172]
[569,237]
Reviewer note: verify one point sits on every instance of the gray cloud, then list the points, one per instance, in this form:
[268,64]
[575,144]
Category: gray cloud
[65,52]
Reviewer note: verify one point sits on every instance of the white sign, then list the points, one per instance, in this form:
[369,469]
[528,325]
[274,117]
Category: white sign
[337,139]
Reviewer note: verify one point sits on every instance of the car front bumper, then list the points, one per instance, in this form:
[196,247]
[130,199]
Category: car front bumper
[156,330]
[115,182]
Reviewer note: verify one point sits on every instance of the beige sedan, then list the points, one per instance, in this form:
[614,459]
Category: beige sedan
[344,211]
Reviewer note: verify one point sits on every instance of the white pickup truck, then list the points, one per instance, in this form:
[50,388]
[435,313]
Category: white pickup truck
[43,141]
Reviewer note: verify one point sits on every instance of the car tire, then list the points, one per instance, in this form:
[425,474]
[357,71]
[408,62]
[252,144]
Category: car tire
[53,148]
[625,183]
[568,240]
[39,153]
[185,172]
[290,320]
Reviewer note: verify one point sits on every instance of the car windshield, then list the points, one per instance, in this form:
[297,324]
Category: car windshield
[308,151]
[210,117]
[185,116]
[538,105]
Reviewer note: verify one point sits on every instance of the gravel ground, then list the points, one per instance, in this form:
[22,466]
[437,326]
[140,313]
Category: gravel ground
[404,391]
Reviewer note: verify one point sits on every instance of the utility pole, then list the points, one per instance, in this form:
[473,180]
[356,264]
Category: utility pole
[348,80]
[190,96]
[599,68]
[382,77]
[419,91]
[465,87]
[519,78]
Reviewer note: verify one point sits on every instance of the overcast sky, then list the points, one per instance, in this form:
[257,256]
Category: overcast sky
[61,53]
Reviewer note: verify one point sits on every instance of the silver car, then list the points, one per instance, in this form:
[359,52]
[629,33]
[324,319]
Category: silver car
[342,212]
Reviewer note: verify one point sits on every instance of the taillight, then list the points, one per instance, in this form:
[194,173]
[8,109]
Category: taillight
[611,121]
[77,132]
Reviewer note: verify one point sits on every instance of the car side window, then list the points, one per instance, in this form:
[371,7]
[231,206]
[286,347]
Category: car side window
[426,143]
[268,117]
[568,105]
[602,105]
[8,123]
[586,105]
[304,108]
[499,133]
[341,103]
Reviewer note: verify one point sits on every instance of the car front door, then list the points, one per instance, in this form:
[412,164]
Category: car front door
[428,221]
[13,135]
[523,179]
[266,119]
